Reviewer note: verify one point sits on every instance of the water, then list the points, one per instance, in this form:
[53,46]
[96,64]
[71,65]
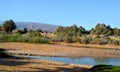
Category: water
[84,60]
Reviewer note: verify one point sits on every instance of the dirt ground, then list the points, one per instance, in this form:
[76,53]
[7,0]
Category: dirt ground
[62,49]
[18,64]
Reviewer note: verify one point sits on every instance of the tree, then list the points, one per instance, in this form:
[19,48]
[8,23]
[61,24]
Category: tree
[74,30]
[116,31]
[103,29]
[83,31]
[0,28]
[8,26]
[92,31]
[60,31]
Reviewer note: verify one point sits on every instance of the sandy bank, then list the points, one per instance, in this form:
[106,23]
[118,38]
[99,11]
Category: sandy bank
[35,65]
[59,50]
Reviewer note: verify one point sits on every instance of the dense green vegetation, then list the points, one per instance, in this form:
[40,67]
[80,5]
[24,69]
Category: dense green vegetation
[22,38]
[101,34]
[9,33]
[105,68]
[8,26]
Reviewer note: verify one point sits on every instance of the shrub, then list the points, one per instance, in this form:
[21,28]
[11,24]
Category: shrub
[115,42]
[2,38]
[57,39]
[85,40]
[105,68]
[38,40]
[20,38]
[100,40]
[68,39]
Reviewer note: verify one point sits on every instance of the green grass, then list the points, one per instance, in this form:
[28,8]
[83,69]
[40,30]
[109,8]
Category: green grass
[105,68]
[20,38]
[4,71]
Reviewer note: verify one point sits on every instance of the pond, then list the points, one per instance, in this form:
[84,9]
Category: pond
[83,60]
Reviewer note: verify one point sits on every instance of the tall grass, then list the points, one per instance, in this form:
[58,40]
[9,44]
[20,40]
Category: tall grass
[21,38]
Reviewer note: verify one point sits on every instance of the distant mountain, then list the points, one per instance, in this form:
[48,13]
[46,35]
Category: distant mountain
[34,26]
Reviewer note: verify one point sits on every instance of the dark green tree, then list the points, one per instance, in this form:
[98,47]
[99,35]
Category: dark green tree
[74,29]
[25,30]
[97,29]
[8,26]
[103,29]
[92,31]
[83,31]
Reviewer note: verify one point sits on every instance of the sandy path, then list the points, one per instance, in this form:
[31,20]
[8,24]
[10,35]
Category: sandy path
[58,50]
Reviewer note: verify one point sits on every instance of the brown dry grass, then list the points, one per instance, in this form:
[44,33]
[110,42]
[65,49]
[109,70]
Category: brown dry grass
[60,50]
[90,45]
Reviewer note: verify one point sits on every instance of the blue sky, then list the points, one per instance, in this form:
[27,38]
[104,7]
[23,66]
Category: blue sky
[86,13]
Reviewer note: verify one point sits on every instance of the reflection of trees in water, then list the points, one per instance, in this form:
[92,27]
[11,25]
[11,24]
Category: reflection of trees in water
[101,60]
[76,59]
[73,59]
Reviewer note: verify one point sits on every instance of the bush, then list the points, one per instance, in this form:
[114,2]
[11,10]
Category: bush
[38,40]
[115,42]
[105,68]
[100,40]
[23,39]
[20,38]
[57,39]
[85,40]
[68,39]
[2,38]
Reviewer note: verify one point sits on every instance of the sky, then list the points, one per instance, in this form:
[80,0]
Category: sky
[86,13]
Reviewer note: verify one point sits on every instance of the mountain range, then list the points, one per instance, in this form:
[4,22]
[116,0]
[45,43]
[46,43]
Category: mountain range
[34,26]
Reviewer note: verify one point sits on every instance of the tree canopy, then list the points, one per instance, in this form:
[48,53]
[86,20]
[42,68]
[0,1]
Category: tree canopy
[8,26]
[98,35]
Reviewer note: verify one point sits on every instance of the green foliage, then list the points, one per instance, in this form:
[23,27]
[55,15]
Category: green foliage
[8,26]
[70,34]
[116,31]
[84,40]
[115,42]
[57,39]
[38,40]
[100,40]
[35,33]
[101,29]
[98,35]
[21,38]
[68,39]
[92,31]
[105,68]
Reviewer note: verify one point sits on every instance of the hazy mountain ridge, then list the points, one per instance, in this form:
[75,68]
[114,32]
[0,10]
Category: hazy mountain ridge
[34,26]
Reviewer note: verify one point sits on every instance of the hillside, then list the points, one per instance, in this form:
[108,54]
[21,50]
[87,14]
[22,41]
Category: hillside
[34,26]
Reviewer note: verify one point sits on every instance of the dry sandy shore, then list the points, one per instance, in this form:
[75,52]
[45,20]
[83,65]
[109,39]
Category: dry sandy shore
[71,50]
[37,65]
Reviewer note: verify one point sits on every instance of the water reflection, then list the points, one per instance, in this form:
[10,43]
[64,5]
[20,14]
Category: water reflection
[83,60]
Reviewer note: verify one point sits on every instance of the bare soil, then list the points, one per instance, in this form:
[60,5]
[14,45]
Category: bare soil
[18,64]
[62,49]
